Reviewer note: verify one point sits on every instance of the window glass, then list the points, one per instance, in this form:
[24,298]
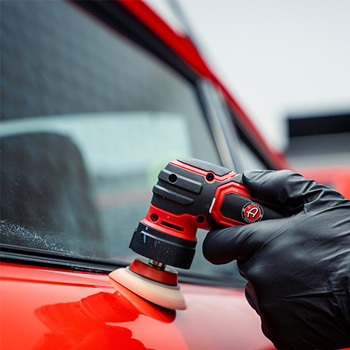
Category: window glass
[87,121]
[251,160]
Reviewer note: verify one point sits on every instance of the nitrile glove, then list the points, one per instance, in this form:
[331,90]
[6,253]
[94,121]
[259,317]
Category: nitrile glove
[297,267]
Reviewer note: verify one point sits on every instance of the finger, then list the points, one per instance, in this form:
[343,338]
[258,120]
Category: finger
[289,189]
[238,242]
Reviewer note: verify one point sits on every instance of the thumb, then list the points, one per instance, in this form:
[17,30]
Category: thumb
[238,242]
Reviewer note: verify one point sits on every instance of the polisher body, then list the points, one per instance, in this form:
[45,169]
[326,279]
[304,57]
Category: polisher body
[192,194]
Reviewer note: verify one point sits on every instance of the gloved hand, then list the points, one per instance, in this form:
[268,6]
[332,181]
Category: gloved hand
[298,267]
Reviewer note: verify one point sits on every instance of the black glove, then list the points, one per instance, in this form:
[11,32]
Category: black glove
[298,267]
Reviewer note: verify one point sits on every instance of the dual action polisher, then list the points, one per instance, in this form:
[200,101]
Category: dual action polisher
[189,194]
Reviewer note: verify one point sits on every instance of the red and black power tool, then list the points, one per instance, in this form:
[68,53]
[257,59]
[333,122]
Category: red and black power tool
[190,194]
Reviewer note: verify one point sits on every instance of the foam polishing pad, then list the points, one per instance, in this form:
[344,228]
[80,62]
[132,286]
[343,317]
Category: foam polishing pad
[165,295]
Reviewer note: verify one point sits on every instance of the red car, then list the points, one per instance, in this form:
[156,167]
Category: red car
[97,97]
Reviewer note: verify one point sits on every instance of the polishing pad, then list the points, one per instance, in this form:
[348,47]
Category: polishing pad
[168,296]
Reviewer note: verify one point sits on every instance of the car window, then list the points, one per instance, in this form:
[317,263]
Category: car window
[87,121]
[250,152]
[251,160]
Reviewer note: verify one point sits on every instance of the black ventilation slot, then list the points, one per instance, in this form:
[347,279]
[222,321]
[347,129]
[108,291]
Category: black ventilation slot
[175,227]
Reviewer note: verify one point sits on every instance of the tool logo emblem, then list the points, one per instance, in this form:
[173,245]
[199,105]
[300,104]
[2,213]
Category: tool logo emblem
[252,212]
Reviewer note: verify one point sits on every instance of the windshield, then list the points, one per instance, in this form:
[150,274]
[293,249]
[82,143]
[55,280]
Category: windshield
[88,119]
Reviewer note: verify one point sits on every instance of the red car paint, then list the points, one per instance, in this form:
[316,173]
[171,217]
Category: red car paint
[44,308]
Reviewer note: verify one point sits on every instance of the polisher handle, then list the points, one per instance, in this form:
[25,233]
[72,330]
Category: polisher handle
[213,195]
[234,204]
